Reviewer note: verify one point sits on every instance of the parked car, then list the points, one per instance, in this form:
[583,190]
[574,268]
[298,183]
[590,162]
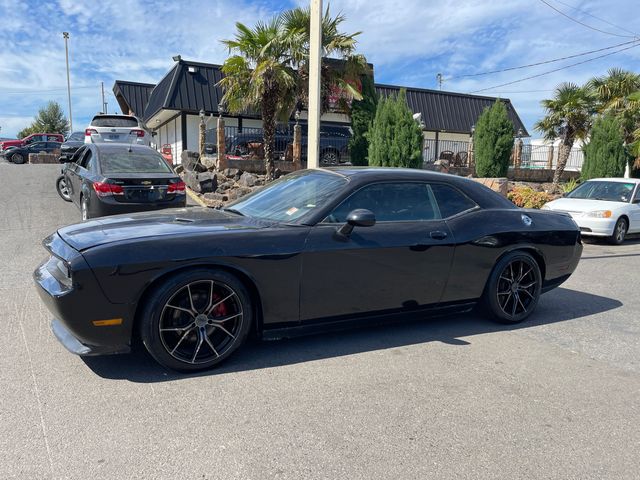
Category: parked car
[334,143]
[71,144]
[20,155]
[116,129]
[108,179]
[34,137]
[355,244]
[603,207]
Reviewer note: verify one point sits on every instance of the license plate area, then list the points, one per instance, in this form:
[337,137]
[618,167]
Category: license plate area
[145,194]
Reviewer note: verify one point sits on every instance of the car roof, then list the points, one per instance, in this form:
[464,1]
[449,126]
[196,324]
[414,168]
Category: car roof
[482,195]
[615,179]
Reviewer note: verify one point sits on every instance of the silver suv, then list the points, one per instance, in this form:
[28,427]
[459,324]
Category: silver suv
[116,129]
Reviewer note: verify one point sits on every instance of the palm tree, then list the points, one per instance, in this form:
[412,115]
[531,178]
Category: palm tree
[568,117]
[615,96]
[342,76]
[260,75]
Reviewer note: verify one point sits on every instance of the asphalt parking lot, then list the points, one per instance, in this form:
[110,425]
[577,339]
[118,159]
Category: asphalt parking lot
[456,397]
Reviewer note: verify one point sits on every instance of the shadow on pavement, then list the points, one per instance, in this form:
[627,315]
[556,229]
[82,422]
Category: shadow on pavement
[558,305]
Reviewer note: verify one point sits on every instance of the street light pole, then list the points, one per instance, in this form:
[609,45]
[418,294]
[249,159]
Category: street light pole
[65,35]
[315,59]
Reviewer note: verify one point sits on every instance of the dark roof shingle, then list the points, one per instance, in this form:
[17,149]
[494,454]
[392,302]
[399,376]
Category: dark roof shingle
[132,96]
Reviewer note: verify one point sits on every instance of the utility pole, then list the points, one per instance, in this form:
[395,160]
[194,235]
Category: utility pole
[315,59]
[65,35]
[439,79]
[104,104]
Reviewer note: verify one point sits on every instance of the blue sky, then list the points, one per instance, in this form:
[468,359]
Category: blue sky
[408,41]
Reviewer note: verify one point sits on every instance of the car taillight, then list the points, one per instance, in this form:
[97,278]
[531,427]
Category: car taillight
[178,187]
[138,133]
[104,189]
[90,131]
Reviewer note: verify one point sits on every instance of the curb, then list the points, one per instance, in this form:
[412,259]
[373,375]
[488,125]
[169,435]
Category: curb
[195,197]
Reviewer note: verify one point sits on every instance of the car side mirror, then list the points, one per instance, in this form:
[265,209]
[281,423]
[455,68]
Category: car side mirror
[360,217]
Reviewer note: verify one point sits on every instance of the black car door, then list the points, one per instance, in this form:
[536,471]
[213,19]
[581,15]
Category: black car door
[74,173]
[400,263]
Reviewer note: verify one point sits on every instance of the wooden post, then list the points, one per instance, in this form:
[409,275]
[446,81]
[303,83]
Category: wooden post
[297,147]
[222,156]
[518,153]
[550,158]
[470,159]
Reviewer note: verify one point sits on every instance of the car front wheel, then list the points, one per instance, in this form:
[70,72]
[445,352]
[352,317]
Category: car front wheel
[619,232]
[17,158]
[196,319]
[513,288]
[63,189]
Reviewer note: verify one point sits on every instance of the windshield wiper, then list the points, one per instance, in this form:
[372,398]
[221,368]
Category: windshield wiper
[233,210]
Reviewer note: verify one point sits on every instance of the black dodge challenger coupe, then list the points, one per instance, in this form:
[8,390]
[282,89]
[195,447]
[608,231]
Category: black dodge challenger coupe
[314,249]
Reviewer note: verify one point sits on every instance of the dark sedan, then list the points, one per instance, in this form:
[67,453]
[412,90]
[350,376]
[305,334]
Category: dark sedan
[312,250]
[109,179]
[71,144]
[20,155]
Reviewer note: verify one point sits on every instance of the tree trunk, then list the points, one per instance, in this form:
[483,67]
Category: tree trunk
[564,150]
[269,132]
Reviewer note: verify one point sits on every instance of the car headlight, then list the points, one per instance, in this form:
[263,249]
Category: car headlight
[600,214]
[60,270]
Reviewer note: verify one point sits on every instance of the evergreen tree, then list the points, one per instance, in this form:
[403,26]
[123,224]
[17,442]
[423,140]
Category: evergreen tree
[50,119]
[362,114]
[605,154]
[493,141]
[395,139]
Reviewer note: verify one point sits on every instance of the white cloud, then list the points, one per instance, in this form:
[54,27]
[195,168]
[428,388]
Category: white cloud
[408,41]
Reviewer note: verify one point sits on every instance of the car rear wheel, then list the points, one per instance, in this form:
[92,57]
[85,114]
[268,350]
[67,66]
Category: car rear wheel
[196,319]
[513,288]
[63,190]
[619,232]
[17,158]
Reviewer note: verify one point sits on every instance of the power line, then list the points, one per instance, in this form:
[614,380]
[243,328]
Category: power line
[556,69]
[544,62]
[597,18]
[24,92]
[584,24]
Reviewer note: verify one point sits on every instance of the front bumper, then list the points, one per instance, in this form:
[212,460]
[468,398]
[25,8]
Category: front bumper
[600,227]
[77,308]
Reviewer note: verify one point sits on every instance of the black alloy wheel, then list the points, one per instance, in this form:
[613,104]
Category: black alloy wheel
[513,288]
[330,157]
[196,319]
[17,158]
[619,232]
[63,190]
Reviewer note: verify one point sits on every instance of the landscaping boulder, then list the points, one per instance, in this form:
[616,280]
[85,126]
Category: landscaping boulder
[191,161]
[201,182]
[43,157]
[232,173]
[500,184]
[247,179]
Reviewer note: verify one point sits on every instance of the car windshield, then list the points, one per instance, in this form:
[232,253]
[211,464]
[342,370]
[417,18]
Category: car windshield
[603,190]
[133,162]
[292,197]
[76,137]
[114,121]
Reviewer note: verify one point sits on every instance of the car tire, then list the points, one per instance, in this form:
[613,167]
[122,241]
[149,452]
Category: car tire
[330,157]
[17,158]
[62,189]
[196,319]
[513,289]
[619,232]
[84,209]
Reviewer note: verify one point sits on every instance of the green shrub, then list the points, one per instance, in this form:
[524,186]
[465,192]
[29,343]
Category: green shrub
[570,185]
[493,141]
[395,139]
[527,197]
[605,154]
[362,114]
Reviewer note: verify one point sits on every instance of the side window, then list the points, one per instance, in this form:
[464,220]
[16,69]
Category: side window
[78,155]
[390,202]
[37,146]
[450,200]
[86,160]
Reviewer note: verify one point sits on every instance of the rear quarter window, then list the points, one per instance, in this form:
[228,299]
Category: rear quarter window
[450,200]
[114,121]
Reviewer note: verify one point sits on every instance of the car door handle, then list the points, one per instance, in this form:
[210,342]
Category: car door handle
[438,235]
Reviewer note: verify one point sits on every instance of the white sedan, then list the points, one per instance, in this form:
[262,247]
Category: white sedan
[603,207]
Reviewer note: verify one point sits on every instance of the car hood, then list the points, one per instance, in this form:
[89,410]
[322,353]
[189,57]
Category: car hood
[581,205]
[178,221]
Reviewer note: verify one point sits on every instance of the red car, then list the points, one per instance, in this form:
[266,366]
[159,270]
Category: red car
[34,137]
